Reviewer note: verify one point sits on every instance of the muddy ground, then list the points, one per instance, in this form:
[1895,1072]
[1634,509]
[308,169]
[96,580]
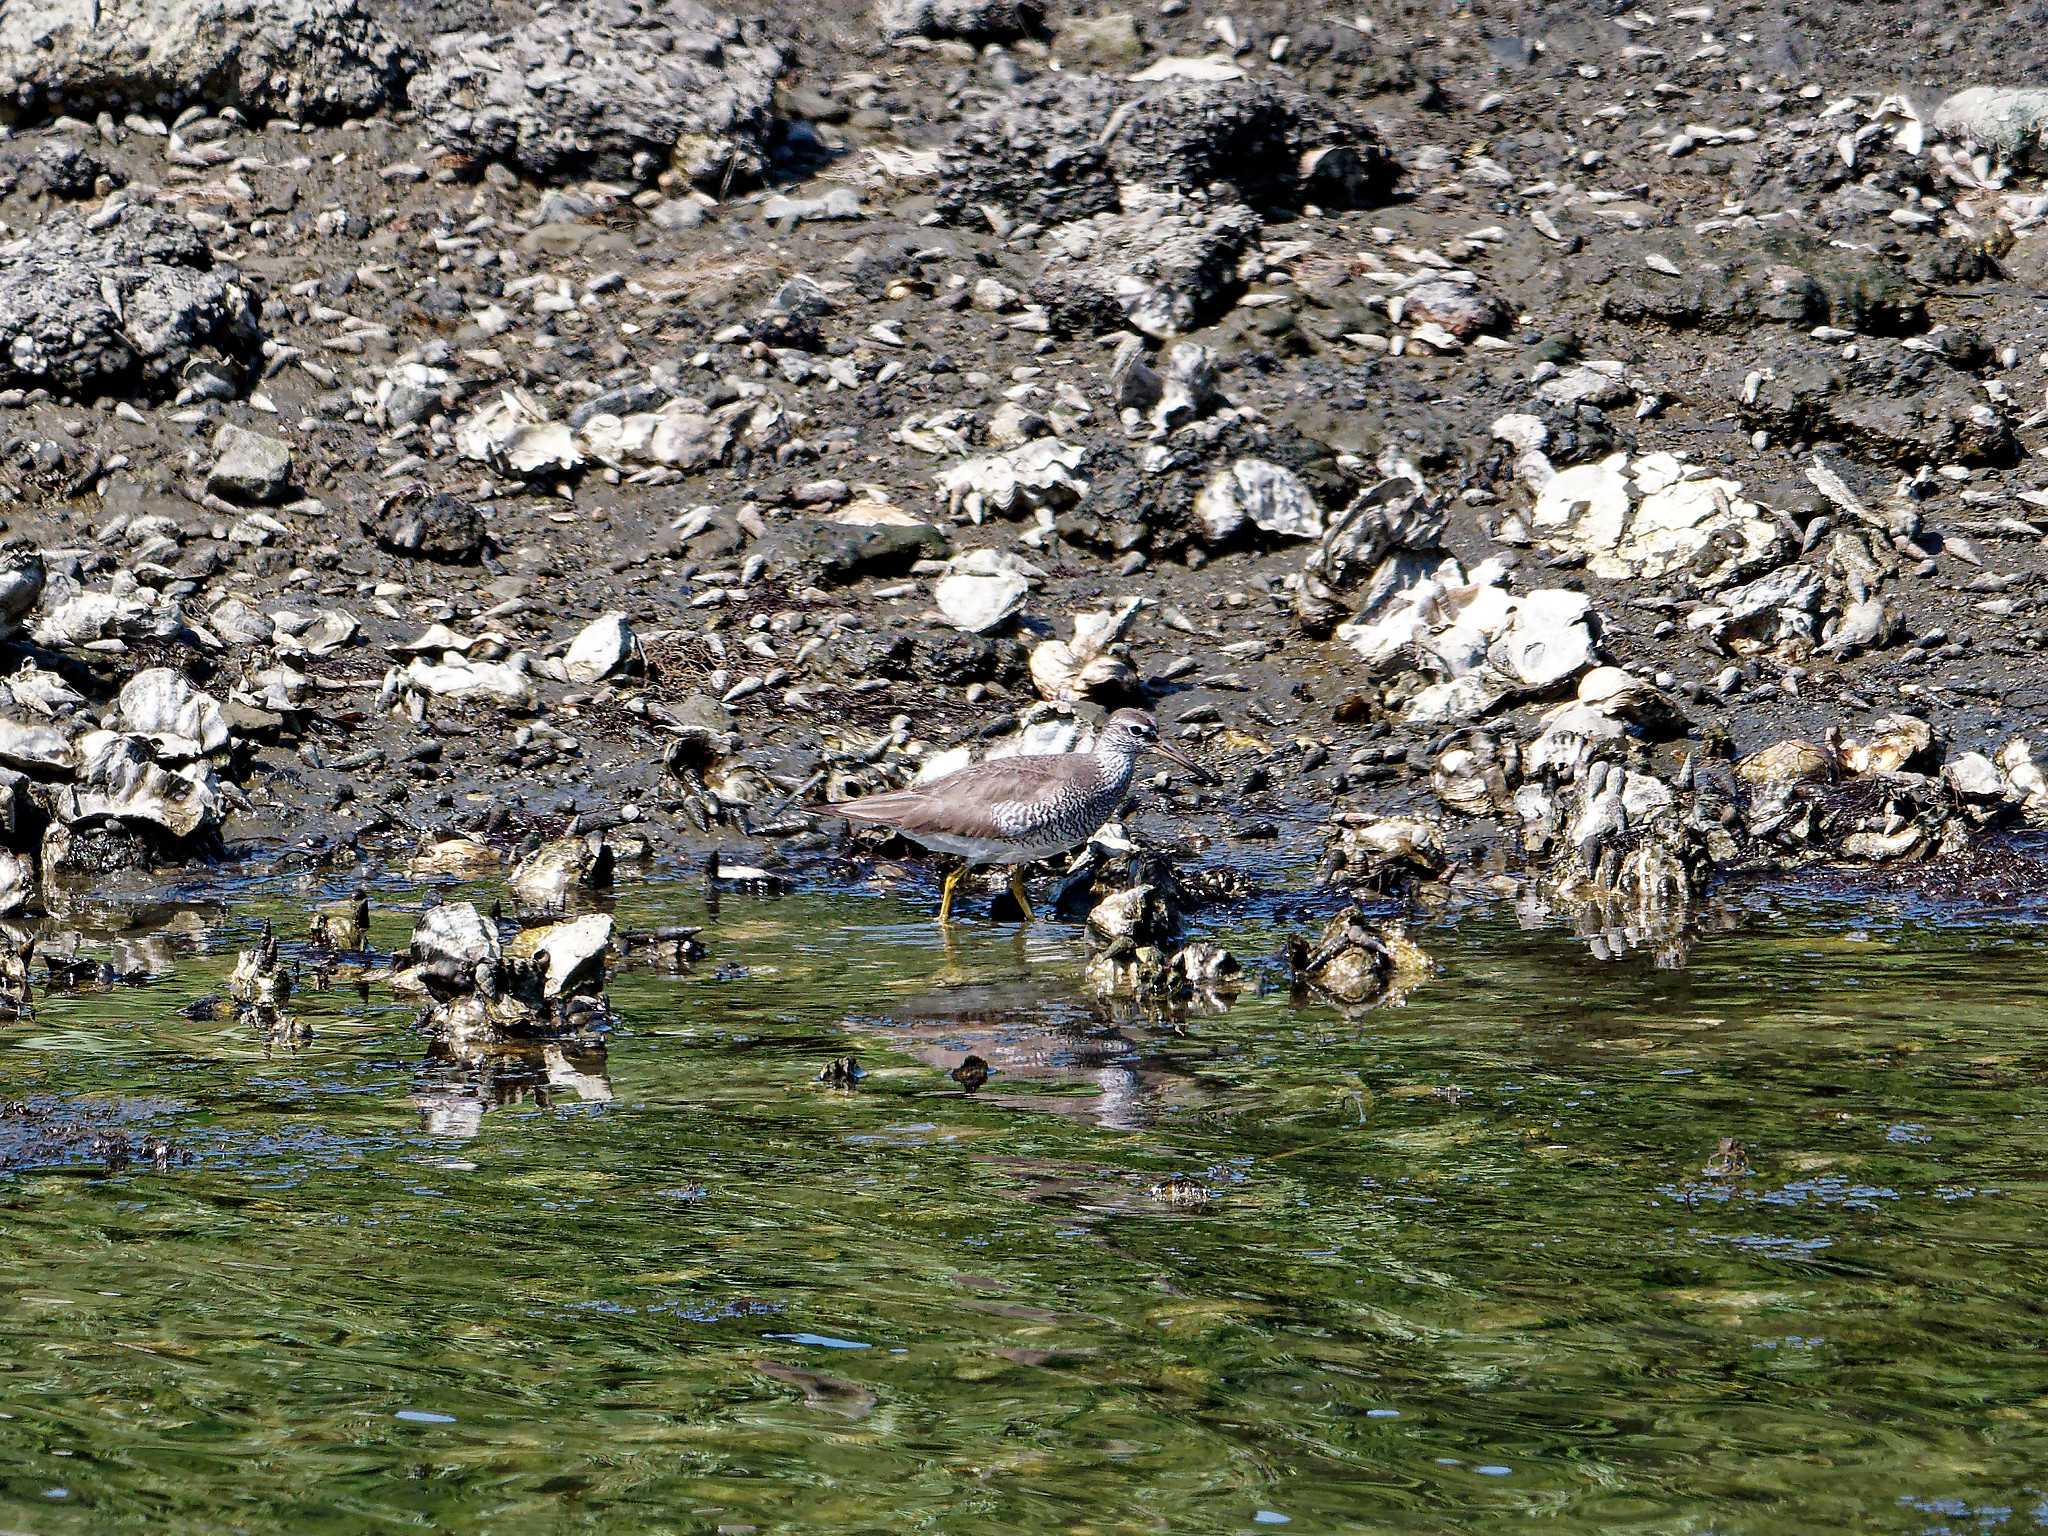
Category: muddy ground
[1663,191]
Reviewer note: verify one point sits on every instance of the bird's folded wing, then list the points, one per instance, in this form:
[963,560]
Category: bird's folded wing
[965,803]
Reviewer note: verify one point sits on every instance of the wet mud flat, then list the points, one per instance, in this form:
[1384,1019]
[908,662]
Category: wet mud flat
[1427,418]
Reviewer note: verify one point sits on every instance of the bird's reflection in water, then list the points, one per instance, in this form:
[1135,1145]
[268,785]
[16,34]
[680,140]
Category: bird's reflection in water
[457,1087]
[1036,1036]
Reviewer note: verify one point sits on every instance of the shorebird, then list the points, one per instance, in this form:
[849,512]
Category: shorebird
[1011,810]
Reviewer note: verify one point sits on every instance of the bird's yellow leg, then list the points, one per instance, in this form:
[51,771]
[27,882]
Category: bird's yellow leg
[1017,890]
[946,894]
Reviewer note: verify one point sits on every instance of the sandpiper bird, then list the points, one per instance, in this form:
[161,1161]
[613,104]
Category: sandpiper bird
[1011,810]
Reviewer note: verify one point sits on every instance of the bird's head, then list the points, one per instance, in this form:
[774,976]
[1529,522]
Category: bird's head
[1132,733]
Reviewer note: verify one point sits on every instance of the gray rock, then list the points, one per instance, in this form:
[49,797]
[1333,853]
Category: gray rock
[306,59]
[1163,268]
[2007,120]
[22,576]
[1107,42]
[1729,285]
[1881,413]
[125,308]
[614,88]
[1460,308]
[1066,146]
[846,552]
[249,467]
[70,171]
[976,21]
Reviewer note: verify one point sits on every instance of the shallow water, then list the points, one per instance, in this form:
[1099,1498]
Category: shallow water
[1464,1267]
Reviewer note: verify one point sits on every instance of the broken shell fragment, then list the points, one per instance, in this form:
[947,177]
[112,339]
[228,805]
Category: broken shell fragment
[1040,473]
[573,953]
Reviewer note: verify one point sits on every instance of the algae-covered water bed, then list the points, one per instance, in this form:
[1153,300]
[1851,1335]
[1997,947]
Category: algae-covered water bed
[1748,1246]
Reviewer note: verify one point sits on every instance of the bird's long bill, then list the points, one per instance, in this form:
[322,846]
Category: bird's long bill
[1174,753]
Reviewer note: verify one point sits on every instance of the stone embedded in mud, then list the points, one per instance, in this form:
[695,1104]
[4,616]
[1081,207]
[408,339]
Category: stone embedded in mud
[1266,495]
[604,646]
[1786,276]
[1875,409]
[1163,266]
[432,527]
[847,551]
[180,721]
[1463,309]
[249,467]
[574,950]
[1036,474]
[622,89]
[313,60]
[119,307]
